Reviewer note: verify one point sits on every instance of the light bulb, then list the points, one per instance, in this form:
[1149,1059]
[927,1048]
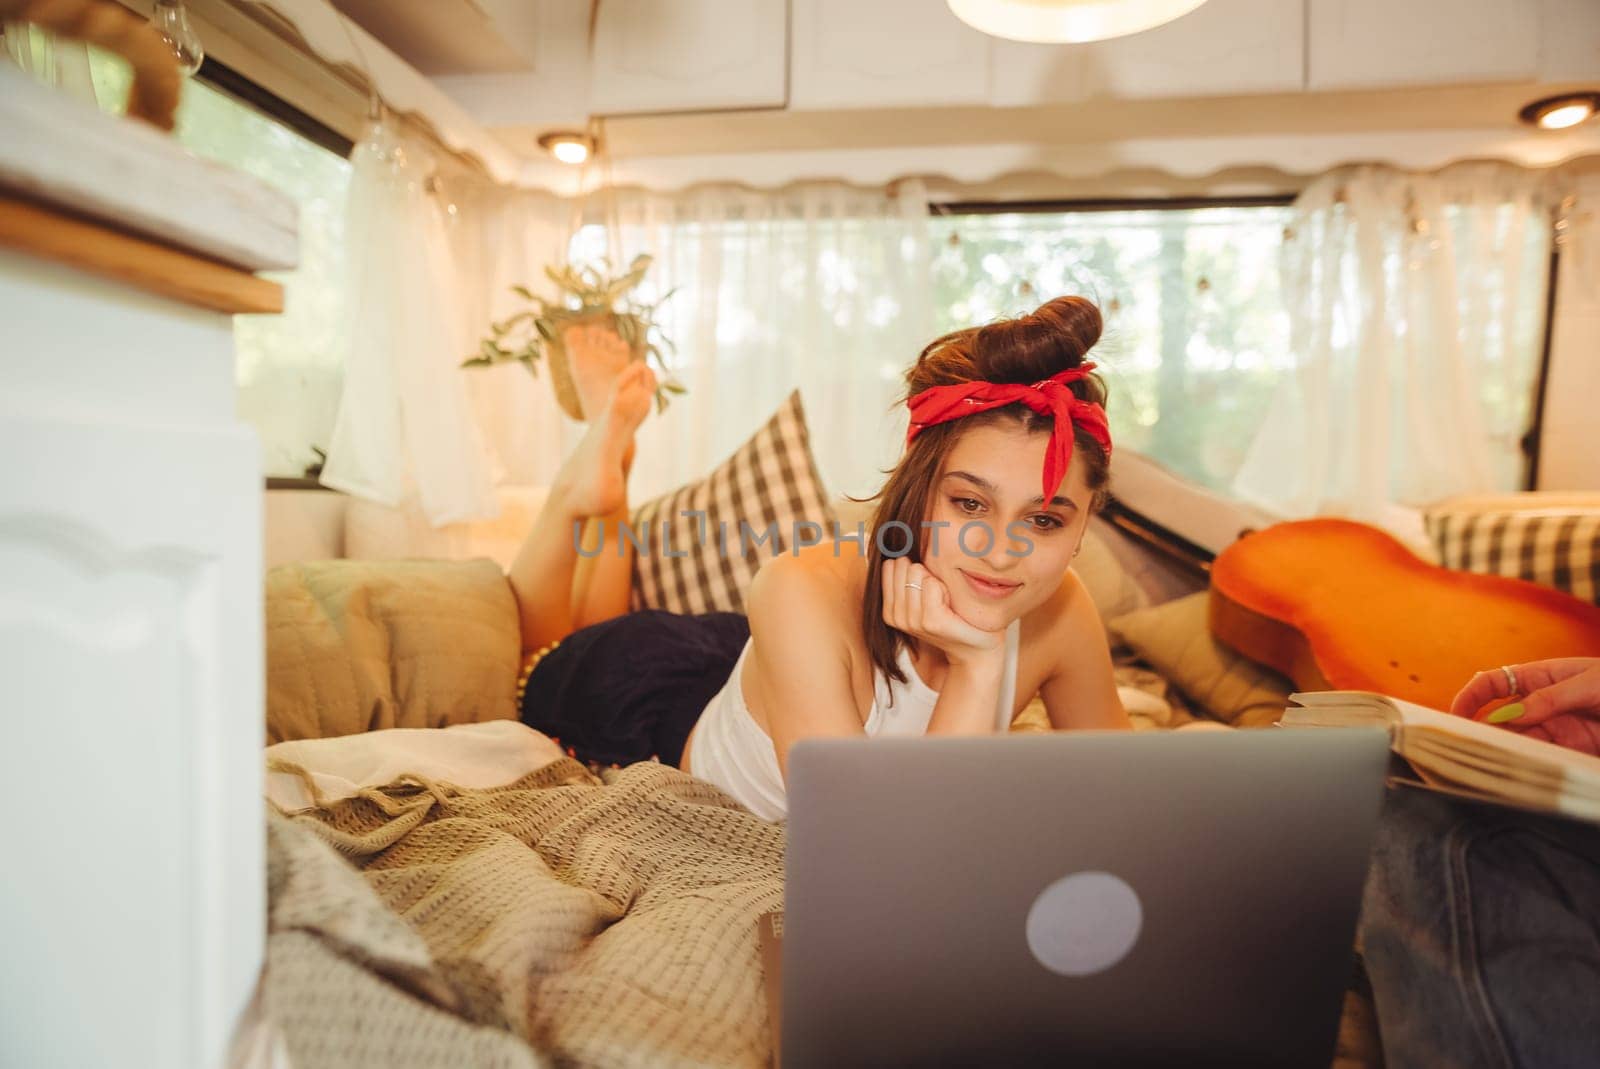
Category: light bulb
[1561,112]
[571,151]
[171,18]
[1565,116]
[569,148]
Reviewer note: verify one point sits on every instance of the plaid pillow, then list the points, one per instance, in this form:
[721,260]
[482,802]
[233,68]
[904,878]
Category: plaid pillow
[1559,549]
[757,504]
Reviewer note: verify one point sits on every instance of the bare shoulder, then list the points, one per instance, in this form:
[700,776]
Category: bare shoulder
[804,631]
[812,580]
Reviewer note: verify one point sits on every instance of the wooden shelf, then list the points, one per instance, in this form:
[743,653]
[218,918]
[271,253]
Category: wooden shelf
[135,261]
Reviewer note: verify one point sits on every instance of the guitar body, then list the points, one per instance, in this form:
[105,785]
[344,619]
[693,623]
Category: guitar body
[1334,604]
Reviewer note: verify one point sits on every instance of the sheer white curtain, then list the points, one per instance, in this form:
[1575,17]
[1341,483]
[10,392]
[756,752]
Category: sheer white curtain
[503,237]
[406,431]
[1416,306]
[50,58]
[820,287]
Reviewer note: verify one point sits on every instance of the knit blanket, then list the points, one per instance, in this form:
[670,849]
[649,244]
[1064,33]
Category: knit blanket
[560,920]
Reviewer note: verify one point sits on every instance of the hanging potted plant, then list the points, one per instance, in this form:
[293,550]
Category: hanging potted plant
[587,296]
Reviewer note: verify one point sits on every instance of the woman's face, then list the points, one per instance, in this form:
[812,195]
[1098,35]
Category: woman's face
[997,546]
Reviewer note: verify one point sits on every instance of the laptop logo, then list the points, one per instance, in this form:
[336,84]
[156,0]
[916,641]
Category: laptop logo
[1084,923]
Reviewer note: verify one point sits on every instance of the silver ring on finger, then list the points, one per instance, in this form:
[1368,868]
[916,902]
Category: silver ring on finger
[914,586]
[1511,679]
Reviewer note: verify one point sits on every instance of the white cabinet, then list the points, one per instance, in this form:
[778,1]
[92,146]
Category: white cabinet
[884,54]
[133,908]
[1222,48]
[1379,44]
[689,55]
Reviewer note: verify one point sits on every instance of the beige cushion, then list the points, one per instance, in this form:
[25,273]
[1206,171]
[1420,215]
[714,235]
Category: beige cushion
[356,646]
[1173,639]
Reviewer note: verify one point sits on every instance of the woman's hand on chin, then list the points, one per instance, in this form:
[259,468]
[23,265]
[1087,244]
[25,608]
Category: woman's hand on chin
[917,602]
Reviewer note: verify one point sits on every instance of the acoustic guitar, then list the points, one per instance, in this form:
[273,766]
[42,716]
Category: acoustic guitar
[1334,604]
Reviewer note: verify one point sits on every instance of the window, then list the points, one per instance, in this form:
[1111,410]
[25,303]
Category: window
[290,366]
[1196,338]
[1195,335]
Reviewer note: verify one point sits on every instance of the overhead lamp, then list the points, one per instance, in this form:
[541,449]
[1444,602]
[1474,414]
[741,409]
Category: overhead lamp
[567,146]
[1560,112]
[1067,21]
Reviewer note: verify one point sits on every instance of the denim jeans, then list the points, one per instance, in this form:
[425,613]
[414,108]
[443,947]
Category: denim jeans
[1480,933]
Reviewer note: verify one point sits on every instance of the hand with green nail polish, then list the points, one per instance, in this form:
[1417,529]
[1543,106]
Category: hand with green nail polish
[1559,700]
[1505,713]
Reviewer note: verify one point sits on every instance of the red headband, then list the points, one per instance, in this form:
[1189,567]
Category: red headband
[1051,397]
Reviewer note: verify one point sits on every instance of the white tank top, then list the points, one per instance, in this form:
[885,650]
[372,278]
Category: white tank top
[732,751]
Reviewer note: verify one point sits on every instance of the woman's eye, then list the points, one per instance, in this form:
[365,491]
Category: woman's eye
[1047,523]
[967,504]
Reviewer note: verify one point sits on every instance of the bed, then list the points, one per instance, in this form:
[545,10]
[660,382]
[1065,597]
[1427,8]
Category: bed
[448,887]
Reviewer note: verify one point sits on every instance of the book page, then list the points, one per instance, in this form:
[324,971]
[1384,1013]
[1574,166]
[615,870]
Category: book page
[1579,767]
[1349,706]
[1341,708]
[1364,700]
[1481,759]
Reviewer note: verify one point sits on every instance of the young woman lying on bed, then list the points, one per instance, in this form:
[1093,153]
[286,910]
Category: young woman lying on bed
[949,622]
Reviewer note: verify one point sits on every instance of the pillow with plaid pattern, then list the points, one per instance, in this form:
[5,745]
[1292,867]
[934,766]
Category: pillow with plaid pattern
[698,547]
[1546,538]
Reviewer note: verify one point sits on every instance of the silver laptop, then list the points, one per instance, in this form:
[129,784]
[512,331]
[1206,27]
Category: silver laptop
[1088,898]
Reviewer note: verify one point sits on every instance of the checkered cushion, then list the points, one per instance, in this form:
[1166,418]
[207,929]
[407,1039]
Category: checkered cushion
[1559,549]
[770,483]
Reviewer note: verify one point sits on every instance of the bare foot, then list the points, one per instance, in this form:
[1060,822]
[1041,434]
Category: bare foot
[594,478]
[596,354]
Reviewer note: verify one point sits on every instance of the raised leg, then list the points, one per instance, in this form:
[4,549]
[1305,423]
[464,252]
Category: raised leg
[592,483]
[603,584]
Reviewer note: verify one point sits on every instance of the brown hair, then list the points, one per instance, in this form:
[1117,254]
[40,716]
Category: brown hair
[1053,338]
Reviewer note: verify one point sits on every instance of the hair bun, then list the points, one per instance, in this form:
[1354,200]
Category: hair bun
[1052,338]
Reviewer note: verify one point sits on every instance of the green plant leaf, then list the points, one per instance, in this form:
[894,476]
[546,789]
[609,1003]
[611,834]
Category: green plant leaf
[476,361]
[589,291]
[628,281]
[524,292]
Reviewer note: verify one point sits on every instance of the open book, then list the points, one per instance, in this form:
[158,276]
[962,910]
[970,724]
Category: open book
[1464,757]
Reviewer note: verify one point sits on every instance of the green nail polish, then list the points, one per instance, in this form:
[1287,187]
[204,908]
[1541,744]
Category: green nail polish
[1506,712]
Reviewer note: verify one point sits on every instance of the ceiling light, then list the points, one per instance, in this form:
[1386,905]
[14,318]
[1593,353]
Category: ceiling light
[1067,21]
[566,146]
[1558,113]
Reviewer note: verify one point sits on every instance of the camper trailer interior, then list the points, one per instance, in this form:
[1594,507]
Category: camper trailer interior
[751,532]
